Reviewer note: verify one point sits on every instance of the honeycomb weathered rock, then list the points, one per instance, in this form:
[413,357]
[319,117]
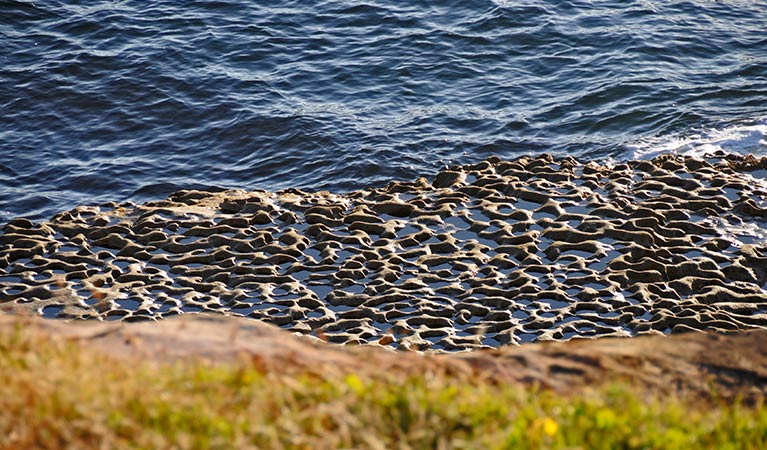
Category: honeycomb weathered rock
[495,253]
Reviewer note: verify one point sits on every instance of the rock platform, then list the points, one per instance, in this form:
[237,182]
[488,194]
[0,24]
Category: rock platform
[483,255]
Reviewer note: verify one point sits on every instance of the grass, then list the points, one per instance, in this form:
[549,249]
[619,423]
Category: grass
[59,395]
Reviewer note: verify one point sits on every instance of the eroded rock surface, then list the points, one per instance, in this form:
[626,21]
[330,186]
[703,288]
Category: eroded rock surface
[495,253]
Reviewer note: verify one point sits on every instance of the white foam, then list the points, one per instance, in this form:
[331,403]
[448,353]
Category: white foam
[732,139]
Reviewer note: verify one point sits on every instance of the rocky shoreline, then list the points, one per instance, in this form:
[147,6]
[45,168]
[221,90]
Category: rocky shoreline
[482,256]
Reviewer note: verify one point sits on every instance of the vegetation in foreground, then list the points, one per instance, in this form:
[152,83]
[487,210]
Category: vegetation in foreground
[58,394]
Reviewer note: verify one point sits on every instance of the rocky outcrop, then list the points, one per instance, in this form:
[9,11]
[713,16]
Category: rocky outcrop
[496,253]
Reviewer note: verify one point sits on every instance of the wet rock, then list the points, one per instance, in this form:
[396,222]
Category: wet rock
[495,253]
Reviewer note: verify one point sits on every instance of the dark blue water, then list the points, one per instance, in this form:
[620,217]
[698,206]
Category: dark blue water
[130,100]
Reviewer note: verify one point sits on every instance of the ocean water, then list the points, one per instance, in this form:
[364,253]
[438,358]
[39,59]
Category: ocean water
[105,100]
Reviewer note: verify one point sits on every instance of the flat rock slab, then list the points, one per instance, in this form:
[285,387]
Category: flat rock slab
[482,256]
[691,364]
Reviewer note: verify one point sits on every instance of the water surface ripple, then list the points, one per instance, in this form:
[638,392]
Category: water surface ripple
[129,100]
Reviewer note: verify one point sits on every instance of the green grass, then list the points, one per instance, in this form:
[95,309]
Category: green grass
[60,395]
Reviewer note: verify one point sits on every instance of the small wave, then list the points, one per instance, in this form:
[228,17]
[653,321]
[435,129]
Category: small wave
[739,138]
[109,101]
